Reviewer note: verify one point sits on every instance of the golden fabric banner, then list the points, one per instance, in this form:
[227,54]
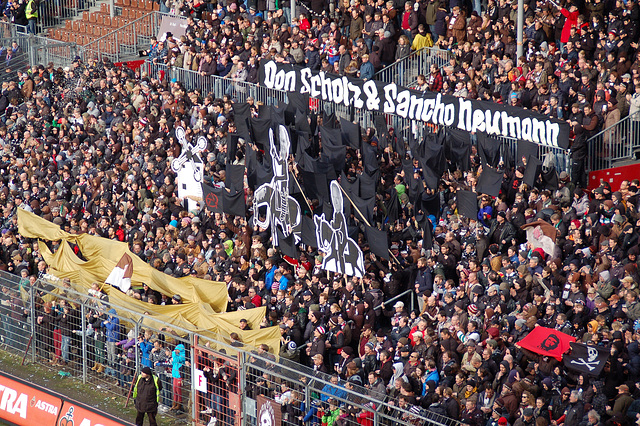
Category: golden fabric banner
[198,313]
[103,255]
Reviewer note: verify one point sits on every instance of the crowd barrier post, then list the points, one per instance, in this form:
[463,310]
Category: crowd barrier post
[32,323]
[243,385]
[193,406]
[83,320]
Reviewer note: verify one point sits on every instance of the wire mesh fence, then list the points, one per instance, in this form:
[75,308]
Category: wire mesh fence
[205,380]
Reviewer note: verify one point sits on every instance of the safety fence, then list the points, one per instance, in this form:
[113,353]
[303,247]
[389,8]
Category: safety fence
[203,376]
[616,143]
[32,49]
[405,71]
[56,12]
[125,41]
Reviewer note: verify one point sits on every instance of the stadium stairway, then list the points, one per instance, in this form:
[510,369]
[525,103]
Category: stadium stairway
[97,22]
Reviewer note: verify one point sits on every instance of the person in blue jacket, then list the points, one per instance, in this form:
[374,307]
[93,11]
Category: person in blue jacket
[271,270]
[178,360]
[112,335]
[145,348]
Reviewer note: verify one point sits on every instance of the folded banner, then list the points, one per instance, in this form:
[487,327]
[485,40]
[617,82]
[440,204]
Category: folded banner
[541,234]
[389,98]
[547,342]
[586,359]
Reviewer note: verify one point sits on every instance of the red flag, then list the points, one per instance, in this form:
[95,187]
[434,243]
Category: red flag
[548,342]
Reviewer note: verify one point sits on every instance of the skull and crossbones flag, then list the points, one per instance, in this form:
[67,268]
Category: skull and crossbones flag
[586,358]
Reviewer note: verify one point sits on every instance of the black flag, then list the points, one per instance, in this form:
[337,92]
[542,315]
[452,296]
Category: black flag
[234,179]
[378,242]
[392,205]
[433,160]
[458,148]
[308,233]
[298,102]
[525,149]
[467,204]
[232,147]
[490,181]
[586,358]
[550,179]
[234,203]
[427,235]
[212,198]
[350,133]
[532,170]
[489,150]
[287,244]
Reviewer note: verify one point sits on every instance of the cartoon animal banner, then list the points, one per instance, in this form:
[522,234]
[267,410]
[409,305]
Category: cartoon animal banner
[282,210]
[341,253]
[189,167]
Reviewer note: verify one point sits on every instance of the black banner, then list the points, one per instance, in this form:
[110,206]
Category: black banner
[586,359]
[389,98]
[213,198]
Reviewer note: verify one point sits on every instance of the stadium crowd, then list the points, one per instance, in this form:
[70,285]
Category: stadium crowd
[88,147]
[583,53]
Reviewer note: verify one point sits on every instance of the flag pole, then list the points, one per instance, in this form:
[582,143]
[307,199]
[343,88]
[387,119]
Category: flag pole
[306,200]
[365,219]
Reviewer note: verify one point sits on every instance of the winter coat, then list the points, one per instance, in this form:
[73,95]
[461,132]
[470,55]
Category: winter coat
[177,360]
[112,326]
[145,348]
[146,393]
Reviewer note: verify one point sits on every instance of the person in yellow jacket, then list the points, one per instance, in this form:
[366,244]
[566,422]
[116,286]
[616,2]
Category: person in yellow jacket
[422,39]
[146,396]
[31,13]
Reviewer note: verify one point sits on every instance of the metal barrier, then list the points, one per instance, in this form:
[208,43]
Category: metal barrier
[34,49]
[19,60]
[10,30]
[405,71]
[94,340]
[126,40]
[616,143]
[216,85]
[54,13]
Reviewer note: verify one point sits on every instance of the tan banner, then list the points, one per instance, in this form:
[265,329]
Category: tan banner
[103,255]
[196,314]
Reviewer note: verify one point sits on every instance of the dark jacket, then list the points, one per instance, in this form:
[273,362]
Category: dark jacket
[146,393]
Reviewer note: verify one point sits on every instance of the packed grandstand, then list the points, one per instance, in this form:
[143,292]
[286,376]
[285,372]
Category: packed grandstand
[494,288]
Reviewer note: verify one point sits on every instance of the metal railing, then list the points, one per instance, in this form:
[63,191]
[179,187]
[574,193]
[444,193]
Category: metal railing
[216,85]
[124,41]
[67,328]
[405,71]
[35,49]
[54,13]
[615,143]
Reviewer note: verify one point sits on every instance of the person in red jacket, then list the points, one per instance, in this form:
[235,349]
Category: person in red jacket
[571,21]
